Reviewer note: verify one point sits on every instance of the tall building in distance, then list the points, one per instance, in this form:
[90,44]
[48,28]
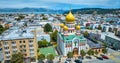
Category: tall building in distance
[69,38]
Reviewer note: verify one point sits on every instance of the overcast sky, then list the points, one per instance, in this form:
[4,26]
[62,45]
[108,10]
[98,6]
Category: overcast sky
[60,4]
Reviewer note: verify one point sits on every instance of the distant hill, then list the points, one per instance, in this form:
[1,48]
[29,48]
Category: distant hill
[81,11]
[95,10]
[28,10]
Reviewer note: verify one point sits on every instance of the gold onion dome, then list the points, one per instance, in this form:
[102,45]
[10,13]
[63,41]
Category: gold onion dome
[70,17]
[78,27]
[62,25]
[65,28]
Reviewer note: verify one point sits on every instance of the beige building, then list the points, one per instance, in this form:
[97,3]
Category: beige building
[14,41]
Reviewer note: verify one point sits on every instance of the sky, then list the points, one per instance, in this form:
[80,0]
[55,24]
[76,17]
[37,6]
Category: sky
[60,4]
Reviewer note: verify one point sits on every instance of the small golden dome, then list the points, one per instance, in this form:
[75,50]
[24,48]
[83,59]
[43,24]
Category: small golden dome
[65,28]
[70,17]
[62,25]
[78,27]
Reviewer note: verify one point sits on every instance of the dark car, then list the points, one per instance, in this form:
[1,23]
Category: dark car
[100,58]
[88,57]
[104,56]
[77,61]
[80,57]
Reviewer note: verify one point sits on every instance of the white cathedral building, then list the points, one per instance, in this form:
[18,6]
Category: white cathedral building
[69,38]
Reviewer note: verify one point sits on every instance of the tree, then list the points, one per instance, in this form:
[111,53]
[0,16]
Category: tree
[70,55]
[50,57]
[42,43]
[104,50]
[96,52]
[86,34]
[41,57]
[90,52]
[17,58]
[99,27]
[54,36]
[82,52]
[47,28]
[2,29]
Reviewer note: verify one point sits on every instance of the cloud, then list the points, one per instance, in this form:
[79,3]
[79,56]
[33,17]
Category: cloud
[59,3]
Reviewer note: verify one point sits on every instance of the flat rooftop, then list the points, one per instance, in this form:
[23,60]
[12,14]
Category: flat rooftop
[112,35]
[17,33]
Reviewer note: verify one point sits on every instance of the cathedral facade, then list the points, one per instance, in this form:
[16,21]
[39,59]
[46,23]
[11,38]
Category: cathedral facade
[69,38]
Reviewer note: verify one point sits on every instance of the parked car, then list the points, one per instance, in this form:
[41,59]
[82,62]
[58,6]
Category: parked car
[68,59]
[78,61]
[100,58]
[88,57]
[80,57]
[105,57]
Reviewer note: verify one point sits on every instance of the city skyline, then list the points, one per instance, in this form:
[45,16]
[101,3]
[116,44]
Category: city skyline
[60,4]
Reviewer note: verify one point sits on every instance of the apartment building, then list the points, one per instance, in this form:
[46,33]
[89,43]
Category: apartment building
[18,40]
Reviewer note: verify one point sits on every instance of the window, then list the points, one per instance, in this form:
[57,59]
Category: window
[24,50]
[30,45]
[14,51]
[30,41]
[14,47]
[23,41]
[6,47]
[7,52]
[31,50]
[24,46]
[20,46]
[7,56]
[20,41]
[5,43]
[13,42]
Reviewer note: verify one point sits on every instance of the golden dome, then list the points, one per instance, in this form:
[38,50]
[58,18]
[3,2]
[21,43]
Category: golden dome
[78,27]
[65,28]
[70,17]
[62,25]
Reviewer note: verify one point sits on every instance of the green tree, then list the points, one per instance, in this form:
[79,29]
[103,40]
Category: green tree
[50,57]
[104,50]
[54,36]
[47,28]
[42,43]
[82,53]
[99,27]
[2,29]
[90,52]
[96,52]
[17,58]
[86,34]
[70,54]
[41,57]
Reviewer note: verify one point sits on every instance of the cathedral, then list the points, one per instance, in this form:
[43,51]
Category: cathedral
[69,38]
